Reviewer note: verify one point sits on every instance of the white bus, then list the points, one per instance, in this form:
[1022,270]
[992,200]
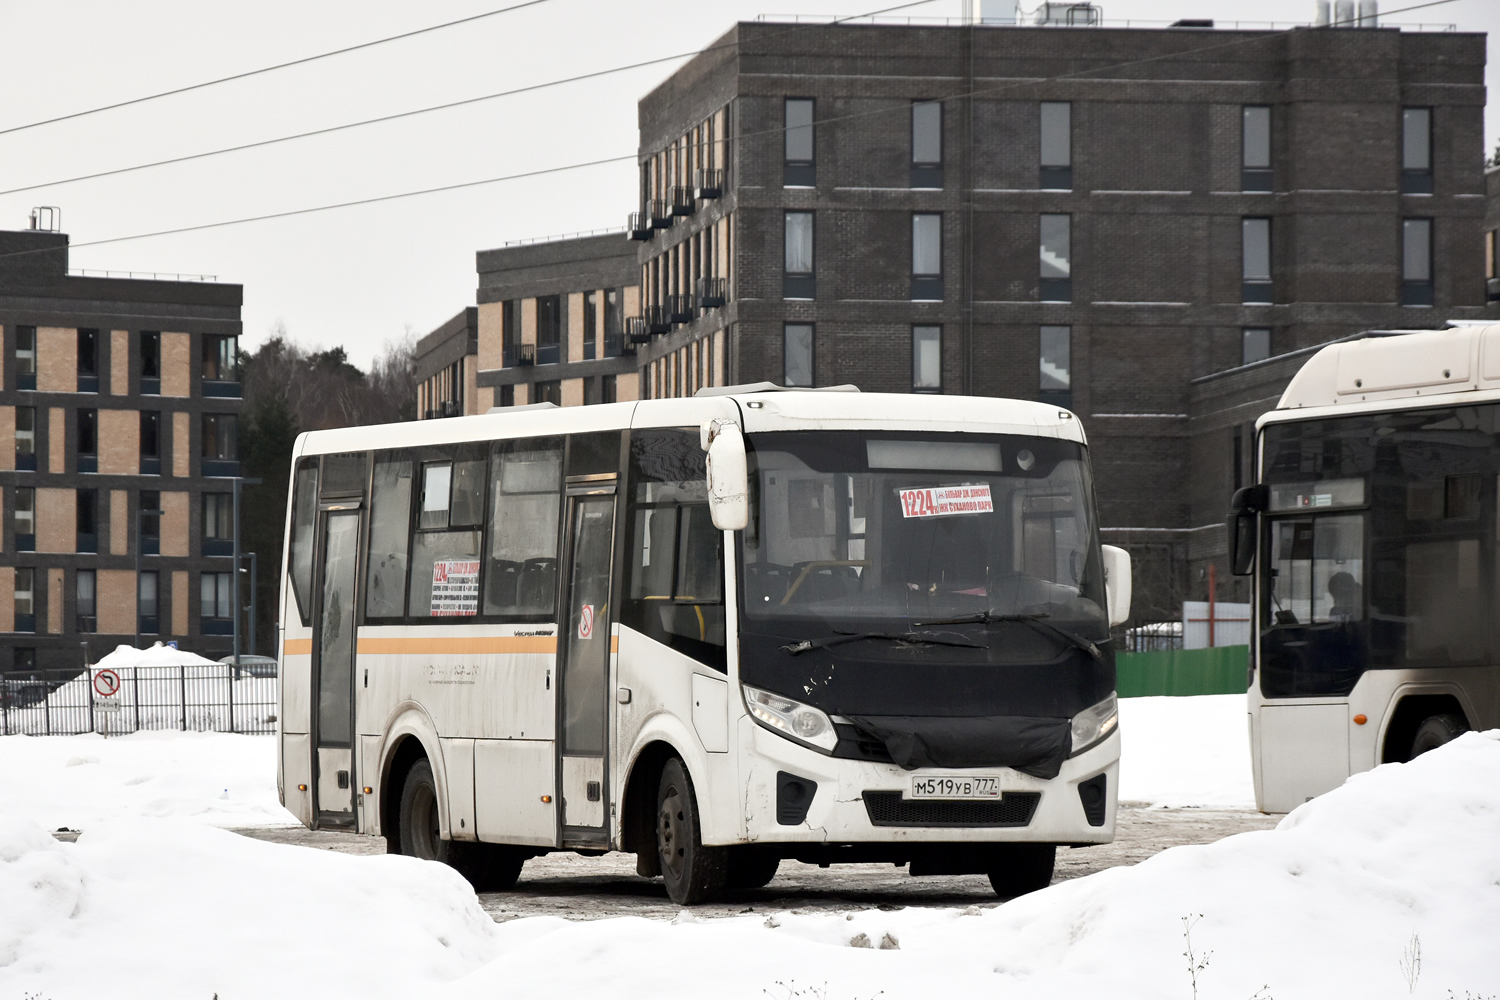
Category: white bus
[1371,532]
[879,634]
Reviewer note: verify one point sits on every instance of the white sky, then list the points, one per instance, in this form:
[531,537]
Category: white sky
[361,276]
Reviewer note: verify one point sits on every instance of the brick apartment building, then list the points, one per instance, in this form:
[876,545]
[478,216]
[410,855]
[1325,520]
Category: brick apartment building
[121,396]
[550,327]
[1094,216]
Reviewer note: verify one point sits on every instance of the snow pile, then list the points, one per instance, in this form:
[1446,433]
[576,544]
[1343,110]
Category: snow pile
[142,908]
[157,655]
[1186,751]
[79,782]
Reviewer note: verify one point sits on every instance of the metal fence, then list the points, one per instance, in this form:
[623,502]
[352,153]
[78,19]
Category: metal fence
[202,697]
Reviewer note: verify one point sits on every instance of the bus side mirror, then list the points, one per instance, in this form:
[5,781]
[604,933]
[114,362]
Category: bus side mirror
[1240,529]
[1117,583]
[728,475]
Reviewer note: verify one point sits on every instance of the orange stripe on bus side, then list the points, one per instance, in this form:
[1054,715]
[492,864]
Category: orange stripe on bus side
[460,645]
[297,647]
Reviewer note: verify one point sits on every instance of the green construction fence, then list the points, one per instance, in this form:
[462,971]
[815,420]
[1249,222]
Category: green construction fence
[1180,672]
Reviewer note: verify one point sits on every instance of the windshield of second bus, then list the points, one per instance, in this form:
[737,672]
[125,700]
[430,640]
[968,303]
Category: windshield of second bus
[871,525]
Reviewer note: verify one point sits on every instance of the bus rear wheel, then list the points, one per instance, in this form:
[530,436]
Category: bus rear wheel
[693,872]
[1021,868]
[1436,730]
[487,867]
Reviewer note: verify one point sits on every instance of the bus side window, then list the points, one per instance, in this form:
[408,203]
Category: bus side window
[445,554]
[304,517]
[390,530]
[525,505]
[675,593]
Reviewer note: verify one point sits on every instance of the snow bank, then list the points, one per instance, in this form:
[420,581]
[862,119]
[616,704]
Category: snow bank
[79,782]
[142,908]
[1186,751]
[157,655]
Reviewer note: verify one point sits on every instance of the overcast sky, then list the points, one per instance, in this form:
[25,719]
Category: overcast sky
[362,276]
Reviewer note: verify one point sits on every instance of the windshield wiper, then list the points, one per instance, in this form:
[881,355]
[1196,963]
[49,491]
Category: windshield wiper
[1037,621]
[915,638]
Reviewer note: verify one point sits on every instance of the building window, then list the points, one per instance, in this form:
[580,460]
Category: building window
[798,354]
[1055,384]
[88,360]
[88,440]
[546,392]
[218,524]
[149,538]
[548,329]
[87,516]
[927,256]
[799,169]
[1057,146]
[510,332]
[1255,148]
[1255,261]
[614,324]
[1491,267]
[1056,258]
[1255,344]
[1416,262]
[1416,151]
[590,325]
[150,443]
[150,362]
[216,603]
[146,606]
[25,519]
[926,359]
[25,599]
[797,280]
[26,439]
[927,144]
[86,590]
[221,450]
[25,357]
[219,362]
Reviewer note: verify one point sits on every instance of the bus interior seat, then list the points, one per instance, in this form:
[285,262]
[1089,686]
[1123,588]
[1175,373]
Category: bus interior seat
[503,585]
[824,583]
[538,582]
[766,583]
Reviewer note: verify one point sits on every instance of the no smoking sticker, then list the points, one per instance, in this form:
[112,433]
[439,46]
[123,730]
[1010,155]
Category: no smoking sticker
[586,622]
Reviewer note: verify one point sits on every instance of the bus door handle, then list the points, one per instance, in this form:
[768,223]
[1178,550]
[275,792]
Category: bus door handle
[622,695]
[549,678]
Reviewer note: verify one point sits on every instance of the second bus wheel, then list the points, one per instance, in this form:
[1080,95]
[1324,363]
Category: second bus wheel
[1436,730]
[1022,868]
[487,867]
[693,873]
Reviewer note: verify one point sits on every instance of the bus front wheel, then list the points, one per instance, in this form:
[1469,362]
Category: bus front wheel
[1022,868]
[1436,730]
[693,872]
[487,867]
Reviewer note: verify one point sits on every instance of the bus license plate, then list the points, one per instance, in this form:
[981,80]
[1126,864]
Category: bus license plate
[952,787]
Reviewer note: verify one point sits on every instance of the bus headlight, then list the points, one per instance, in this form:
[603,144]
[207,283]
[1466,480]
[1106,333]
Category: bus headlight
[800,722]
[1094,724]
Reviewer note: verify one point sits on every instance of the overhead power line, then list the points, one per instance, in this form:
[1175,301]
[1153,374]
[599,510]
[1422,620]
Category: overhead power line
[271,69]
[1012,85]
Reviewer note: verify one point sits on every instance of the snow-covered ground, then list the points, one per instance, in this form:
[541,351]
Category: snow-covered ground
[1186,751]
[1324,906]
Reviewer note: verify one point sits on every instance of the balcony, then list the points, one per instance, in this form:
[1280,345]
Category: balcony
[1257,180]
[88,383]
[221,390]
[636,331]
[148,624]
[26,381]
[217,626]
[683,201]
[710,184]
[638,226]
[25,543]
[1416,293]
[221,467]
[25,461]
[928,176]
[150,466]
[680,309]
[548,354]
[620,344]
[1416,182]
[86,541]
[150,385]
[661,213]
[658,320]
[150,545]
[713,292]
[25,623]
[217,547]
[88,463]
[1055,178]
[523,355]
[453,408]
[1256,293]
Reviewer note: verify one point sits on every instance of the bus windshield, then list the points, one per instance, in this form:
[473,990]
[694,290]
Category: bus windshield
[877,525]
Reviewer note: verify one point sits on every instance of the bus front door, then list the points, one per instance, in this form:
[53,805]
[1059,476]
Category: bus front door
[333,668]
[584,655]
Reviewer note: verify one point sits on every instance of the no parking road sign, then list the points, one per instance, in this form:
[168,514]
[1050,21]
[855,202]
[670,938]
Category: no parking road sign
[106,683]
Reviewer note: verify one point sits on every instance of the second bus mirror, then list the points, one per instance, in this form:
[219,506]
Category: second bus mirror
[1240,529]
[1117,583]
[728,476]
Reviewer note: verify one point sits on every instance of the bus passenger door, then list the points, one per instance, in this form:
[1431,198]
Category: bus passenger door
[584,652]
[333,667]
